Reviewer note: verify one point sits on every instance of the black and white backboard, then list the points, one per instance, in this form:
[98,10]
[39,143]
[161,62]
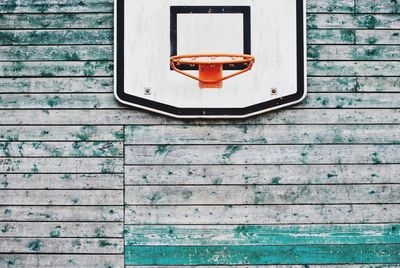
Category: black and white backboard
[149,32]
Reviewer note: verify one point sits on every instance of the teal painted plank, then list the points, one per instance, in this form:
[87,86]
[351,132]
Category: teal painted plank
[352,52]
[331,6]
[354,21]
[343,36]
[53,53]
[377,6]
[49,21]
[56,68]
[56,37]
[261,234]
[122,116]
[58,85]
[353,68]
[50,6]
[237,255]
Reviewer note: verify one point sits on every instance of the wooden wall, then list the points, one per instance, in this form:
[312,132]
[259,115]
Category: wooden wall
[315,184]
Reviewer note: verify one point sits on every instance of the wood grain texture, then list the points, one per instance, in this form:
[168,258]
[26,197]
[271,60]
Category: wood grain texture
[261,175]
[253,154]
[61,260]
[272,214]
[191,235]
[314,185]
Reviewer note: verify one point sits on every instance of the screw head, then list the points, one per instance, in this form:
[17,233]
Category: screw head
[147,91]
[274,91]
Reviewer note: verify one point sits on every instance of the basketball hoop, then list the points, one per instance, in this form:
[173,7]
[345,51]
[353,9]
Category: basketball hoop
[211,67]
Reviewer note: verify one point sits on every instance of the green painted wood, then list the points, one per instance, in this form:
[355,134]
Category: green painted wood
[53,53]
[61,260]
[261,154]
[359,53]
[259,214]
[330,84]
[379,37]
[331,36]
[50,69]
[331,6]
[56,85]
[304,254]
[382,6]
[61,229]
[286,266]
[261,175]
[61,181]
[271,235]
[313,100]
[353,68]
[49,6]
[120,117]
[33,165]
[61,245]
[260,134]
[61,197]
[61,21]
[246,195]
[61,133]
[61,149]
[378,84]
[56,37]
[61,213]
[358,21]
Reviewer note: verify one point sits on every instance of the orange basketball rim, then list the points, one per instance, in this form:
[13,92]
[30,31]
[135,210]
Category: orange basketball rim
[211,67]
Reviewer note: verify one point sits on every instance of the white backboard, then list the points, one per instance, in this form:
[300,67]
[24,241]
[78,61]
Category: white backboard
[149,32]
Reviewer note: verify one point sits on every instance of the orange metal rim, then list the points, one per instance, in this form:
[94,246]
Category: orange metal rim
[192,59]
[180,59]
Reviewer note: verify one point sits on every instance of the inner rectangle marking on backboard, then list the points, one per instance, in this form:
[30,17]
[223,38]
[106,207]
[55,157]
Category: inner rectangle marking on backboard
[178,16]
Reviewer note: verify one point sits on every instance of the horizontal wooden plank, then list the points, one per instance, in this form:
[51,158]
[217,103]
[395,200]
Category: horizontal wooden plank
[57,260]
[252,175]
[108,101]
[190,235]
[56,37]
[382,6]
[59,101]
[61,149]
[53,53]
[351,21]
[285,266]
[378,84]
[61,229]
[48,21]
[382,37]
[331,6]
[331,36]
[61,181]
[61,133]
[256,134]
[62,197]
[353,68]
[120,117]
[330,84]
[353,52]
[61,213]
[61,245]
[262,154]
[252,195]
[61,165]
[50,6]
[161,255]
[57,85]
[56,68]
[273,214]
